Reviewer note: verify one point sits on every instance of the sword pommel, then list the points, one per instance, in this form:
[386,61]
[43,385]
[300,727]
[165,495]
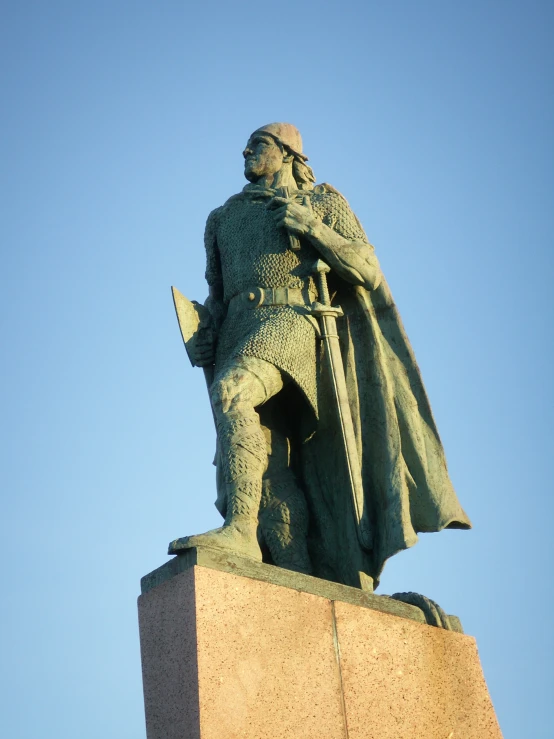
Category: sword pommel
[321,267]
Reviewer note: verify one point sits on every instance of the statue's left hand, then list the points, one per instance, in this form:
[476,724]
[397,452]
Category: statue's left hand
[288,214]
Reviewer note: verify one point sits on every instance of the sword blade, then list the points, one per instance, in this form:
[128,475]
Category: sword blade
[338,380]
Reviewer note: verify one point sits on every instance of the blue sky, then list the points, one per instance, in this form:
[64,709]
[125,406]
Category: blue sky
[123,125]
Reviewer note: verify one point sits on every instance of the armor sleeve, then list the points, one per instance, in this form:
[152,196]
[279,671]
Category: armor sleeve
[213,262]
[214,302]
[347,249]
[341,218]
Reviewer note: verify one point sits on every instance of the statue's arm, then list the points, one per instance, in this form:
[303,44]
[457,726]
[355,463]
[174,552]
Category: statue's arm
[214,302]
[203,353]
[352,259]
[337,235]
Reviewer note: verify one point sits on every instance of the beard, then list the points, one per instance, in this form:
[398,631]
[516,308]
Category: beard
[265,164]
[253,170]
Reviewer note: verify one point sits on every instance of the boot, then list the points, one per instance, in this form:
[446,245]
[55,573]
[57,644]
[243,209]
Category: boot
[238,534]
[243,458]
[284,522]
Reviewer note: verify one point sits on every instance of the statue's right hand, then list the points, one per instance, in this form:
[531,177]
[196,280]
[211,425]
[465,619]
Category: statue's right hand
[203,351]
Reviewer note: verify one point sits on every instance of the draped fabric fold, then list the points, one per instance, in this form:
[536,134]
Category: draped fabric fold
[407,488]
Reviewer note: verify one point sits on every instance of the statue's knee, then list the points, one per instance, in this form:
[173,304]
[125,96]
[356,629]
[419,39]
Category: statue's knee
[225,396]
[218,394]
[231,397]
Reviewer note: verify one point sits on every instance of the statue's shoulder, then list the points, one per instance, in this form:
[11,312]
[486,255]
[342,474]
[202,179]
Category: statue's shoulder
[325,191]
[216,214]
[325,187]
[334,208]
[233,199]
[212,219]
[328,197]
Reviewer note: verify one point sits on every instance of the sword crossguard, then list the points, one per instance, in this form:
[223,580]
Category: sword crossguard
[320,309]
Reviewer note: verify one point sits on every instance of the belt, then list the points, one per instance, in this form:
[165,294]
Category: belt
[258,296]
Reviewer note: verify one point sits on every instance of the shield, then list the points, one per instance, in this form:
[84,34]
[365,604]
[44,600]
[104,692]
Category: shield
[193,317]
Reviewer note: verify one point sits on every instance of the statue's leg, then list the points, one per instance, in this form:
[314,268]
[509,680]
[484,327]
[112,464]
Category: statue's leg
[284,522]
[283,510]
[235,393]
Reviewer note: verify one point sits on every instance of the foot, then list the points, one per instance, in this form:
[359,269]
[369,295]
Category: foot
[238,537]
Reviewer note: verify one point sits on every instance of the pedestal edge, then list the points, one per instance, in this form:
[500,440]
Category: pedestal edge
[226,562]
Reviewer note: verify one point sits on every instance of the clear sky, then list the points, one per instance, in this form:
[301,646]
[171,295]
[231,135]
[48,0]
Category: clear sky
[123,123]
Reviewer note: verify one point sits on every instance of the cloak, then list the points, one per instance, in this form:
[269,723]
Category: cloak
[407,488]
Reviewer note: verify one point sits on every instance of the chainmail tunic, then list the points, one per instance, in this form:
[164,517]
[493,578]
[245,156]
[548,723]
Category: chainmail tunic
[246,249]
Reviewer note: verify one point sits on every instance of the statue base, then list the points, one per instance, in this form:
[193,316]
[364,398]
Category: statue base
[238,649]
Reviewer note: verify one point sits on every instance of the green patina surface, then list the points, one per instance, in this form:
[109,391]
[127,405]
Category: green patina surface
[328,457]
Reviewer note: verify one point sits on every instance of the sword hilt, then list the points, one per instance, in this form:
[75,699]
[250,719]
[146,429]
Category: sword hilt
[322,268]
[323,306]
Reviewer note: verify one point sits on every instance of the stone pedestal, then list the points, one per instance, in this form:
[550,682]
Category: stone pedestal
[229,656]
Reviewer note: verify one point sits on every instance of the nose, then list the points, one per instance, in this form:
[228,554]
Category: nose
[246,152]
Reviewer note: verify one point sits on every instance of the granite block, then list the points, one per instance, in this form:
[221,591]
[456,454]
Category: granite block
[403,680]
[264,664]
[169,649]
[227,656]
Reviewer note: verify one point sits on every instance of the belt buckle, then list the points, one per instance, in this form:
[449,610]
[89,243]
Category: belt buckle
[280,296]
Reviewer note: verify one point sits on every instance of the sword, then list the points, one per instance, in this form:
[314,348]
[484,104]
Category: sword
[327,315]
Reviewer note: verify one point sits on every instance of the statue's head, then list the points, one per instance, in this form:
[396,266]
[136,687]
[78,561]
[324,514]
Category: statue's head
[272,147]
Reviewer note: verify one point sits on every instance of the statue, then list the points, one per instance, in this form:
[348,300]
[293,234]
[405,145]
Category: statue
[328,458]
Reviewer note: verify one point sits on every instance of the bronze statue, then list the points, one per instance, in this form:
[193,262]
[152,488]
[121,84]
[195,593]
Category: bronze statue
[328,457]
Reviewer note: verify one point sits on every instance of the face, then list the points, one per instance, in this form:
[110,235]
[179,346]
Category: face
[262,156]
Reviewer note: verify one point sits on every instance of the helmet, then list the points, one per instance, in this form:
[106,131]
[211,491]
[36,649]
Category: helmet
[287,135]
